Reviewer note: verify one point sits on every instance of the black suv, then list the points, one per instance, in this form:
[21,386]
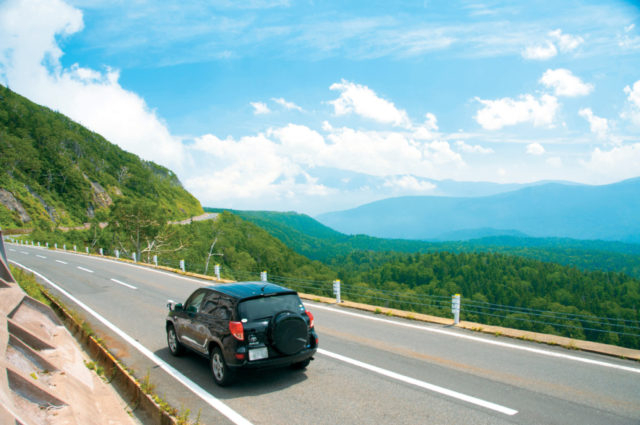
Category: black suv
[243,325]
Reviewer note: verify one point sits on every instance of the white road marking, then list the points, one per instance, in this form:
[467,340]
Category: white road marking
[86,270]
[24,252]
[123,284]
[212,401]
[412,381]
[40,256]
[485,341]
[12,250]
[61,262]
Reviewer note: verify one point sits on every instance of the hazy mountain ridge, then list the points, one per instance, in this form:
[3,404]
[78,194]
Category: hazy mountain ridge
[53,171]
[606,212]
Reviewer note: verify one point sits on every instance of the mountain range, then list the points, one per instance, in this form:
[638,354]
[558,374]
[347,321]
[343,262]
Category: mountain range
[607,212]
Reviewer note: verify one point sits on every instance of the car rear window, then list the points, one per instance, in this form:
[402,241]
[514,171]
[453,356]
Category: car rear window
[265,307]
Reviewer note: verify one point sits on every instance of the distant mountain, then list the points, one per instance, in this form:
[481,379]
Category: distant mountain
[608,212]
[54,172]
[314,240]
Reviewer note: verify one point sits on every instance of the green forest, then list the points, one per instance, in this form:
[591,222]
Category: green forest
[496,288]
[60,173]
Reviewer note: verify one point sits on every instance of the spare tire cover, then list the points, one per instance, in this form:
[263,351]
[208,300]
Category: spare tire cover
[288,332]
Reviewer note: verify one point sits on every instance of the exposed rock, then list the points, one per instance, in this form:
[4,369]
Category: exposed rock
[53,214]
[9,201]
[100,196]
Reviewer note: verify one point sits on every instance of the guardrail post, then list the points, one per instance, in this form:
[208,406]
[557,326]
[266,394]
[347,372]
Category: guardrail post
[216,271]
[263,276]
[182,265]
[455,308]
[336,290]
[155,260]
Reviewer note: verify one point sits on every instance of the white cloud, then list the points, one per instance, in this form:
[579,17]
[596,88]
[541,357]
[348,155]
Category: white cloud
[535,149]
[426,131]
[540,52]
[260,108]
[633,97]
[499,113]
[565,83]
[30,64]
[621,162]
[361,100]
[409,183]
[287,105]
[466,148]
[598,125]
[566,42]
[559,41]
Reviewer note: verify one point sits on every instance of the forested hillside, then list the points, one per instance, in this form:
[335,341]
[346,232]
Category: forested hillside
[55,172]
[312,239]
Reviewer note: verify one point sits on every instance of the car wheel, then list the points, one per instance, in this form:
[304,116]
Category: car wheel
[222,374]
[301,365]
[175,348]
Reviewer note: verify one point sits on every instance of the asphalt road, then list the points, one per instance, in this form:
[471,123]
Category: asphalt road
[370,369]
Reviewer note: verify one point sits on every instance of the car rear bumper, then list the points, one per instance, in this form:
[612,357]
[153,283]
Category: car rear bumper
[276,361]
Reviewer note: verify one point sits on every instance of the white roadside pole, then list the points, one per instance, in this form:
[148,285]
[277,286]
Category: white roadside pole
[455,308]
[263,276]
[182,265]
[216,270]
[336,290]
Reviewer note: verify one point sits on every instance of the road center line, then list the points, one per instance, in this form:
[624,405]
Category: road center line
[86,270]
[12,250]
[123,284]
[212,401]
[412,381]
[484,341]
[24,252]
[61,262]
[40,256]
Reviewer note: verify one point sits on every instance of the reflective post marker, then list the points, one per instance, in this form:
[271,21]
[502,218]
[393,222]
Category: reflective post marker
[455,308]
[182,265]
[336,290]
[263,276]
[216,270]
[155,260]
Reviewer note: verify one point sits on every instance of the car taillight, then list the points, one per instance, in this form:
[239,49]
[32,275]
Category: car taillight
[310,318]
[237,330]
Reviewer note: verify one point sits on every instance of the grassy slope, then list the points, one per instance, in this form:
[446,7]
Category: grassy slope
[45,153]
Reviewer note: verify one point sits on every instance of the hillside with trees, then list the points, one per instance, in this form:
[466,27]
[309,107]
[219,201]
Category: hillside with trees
[54,172]
[312,239]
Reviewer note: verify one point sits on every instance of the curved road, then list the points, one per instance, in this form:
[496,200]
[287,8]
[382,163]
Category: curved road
[370,369]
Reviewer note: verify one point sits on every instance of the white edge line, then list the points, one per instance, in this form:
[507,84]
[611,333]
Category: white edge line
[422,384]
[123,284]
[486,341]
[231,414]
[86,270]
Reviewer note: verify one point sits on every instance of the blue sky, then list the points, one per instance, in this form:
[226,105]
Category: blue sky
[317,106]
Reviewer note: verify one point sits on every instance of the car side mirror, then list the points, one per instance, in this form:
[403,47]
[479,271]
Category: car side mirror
[192,309]
[173,306]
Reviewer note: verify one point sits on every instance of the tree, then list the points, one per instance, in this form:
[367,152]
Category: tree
[138,221]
